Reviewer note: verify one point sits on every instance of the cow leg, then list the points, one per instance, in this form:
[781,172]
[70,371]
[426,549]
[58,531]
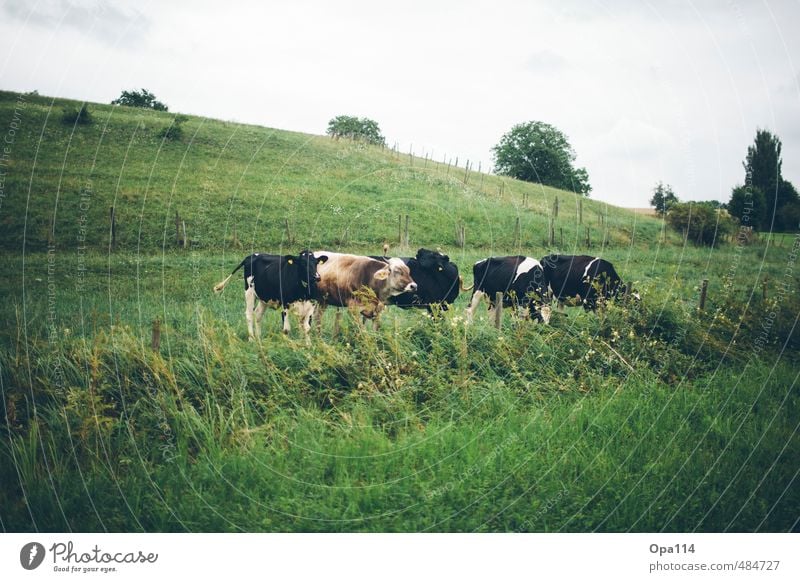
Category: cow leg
[304,310]
[376,319]
[473,304]
[258,316]
[249,306]
[285,321]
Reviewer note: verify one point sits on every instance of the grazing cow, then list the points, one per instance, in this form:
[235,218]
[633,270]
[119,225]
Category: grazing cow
[519,278]
[361,283]
[436,277]
[580,276]
[286,280]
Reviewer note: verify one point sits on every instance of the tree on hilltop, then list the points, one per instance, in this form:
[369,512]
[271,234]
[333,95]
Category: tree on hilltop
[144,99]
[358,128]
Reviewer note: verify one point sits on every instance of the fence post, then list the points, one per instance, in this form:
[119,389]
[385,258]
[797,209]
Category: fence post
[703,294]
[399,230]
[552,233]
[498,309]
[113,229]
[337,322]
[177,229]
[185,238]
[516,232]
[588,239]
[555,207]
[764,288]
[580,210]
[288,231]
[406,232]
[155,343]
[561,236]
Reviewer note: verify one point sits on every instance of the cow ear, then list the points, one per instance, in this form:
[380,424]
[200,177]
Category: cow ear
[321,259]
[290,261]
[382,275]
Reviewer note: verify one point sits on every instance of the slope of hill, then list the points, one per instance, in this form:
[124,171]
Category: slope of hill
[62,179]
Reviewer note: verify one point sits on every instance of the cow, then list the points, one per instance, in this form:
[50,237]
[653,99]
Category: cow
[437,280]
[361,283]
[289,281]
[519,278]
[590,279]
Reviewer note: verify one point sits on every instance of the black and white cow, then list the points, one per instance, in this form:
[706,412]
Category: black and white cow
[519,278]
[580,276]
[437,280]
[289,281]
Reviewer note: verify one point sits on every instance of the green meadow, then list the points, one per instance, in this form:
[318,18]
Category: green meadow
[646,416]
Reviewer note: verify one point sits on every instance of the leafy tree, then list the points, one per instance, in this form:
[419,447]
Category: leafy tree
[143,98]
[663,198]
[700,222]
[538,152]
[358,128]
[747,205]
[762,167]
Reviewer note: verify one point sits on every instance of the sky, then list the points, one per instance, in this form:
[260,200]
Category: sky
[646,91]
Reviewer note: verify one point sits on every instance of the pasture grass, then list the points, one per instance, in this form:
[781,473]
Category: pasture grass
[647,416]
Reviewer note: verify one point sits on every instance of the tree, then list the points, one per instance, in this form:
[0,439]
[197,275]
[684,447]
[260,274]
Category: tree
[357,128]
[663,198]
[700,222]
[143,98]
[763,170]
[538,152]
[747,205]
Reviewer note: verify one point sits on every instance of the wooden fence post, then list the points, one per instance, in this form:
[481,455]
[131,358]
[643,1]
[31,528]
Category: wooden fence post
[580,210]
[399,230]
[177,229]
[555,207]
[516,232]
[588,239]
[113,229]
[406,232]
[185,238]
[498,309]
[561,236]
[337,322]
[235,236]
[703,294]
[155,342]
[288,231]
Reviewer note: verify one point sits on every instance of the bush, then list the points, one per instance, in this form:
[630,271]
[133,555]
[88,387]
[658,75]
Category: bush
[72,116]
[144,99]
[700,223]
[174,131]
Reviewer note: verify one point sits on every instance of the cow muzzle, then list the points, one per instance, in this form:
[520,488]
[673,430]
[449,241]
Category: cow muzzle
[411,287]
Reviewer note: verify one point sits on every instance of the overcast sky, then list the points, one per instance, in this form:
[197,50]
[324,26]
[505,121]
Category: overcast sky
[671,90]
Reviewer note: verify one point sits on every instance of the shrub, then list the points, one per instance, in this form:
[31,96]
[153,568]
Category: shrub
[72,116]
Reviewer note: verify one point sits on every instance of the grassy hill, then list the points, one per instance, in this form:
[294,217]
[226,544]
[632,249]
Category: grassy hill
[647,416]
[64,177]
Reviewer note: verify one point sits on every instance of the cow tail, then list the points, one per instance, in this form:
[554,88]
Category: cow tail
[461,284]
[219,287]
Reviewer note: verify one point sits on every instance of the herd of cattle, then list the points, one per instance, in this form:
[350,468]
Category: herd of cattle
[309,282]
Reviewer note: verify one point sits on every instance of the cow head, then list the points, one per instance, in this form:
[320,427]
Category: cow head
[306,264]
[436,263]
[396,277]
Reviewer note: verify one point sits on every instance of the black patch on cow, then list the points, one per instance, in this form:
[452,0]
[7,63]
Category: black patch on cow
[567,278]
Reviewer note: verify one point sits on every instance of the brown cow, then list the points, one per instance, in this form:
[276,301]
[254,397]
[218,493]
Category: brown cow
[360,283]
